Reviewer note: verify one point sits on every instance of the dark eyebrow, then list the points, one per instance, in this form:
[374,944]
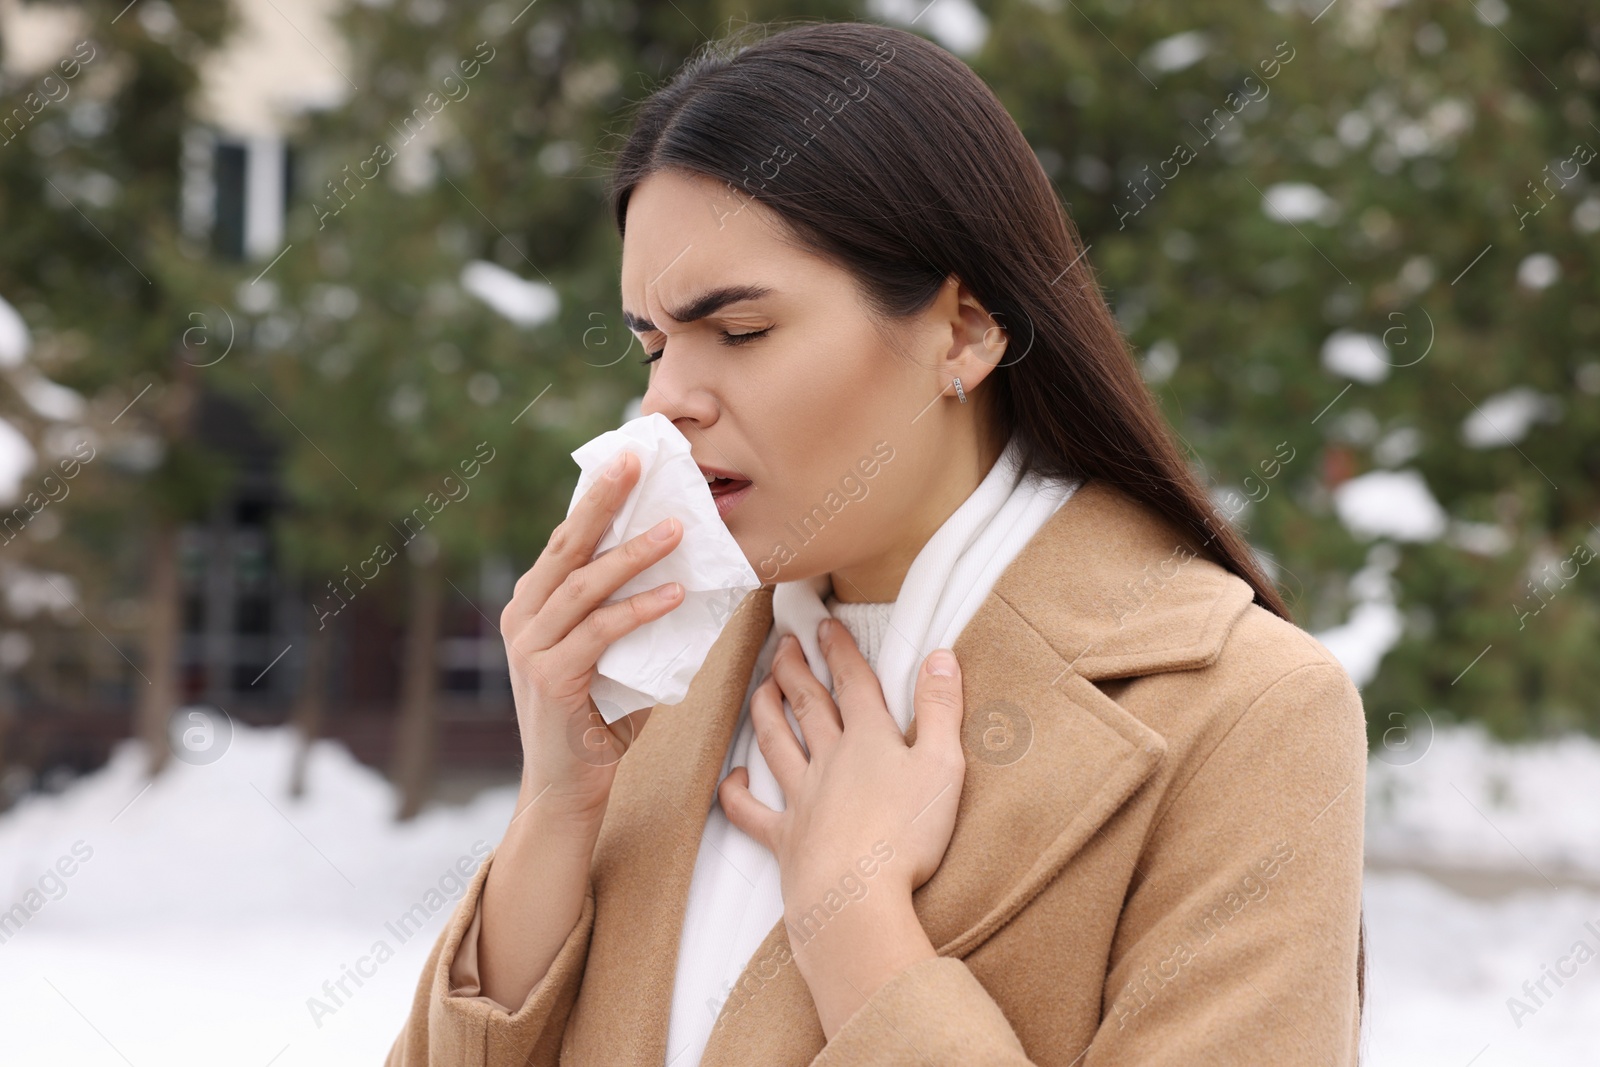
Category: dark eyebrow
[702,305]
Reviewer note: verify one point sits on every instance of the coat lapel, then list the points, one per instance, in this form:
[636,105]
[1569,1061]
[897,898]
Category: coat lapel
[1047,765]
[1106,589]
[645,854]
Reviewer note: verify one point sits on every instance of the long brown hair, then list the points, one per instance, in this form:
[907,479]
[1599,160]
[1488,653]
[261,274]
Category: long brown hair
[889,156]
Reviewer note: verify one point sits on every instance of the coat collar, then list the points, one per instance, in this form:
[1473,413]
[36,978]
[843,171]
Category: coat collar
[1107,588]
[1119,592]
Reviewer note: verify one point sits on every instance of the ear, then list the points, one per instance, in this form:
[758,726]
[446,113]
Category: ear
[978,339]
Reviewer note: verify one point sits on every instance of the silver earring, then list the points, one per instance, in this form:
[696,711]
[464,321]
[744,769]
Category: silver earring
[961,393]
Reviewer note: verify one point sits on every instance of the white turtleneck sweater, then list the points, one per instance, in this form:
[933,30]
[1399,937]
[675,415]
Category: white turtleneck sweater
[867,623]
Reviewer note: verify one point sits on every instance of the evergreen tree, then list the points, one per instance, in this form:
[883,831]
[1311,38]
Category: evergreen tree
[1423,168]
[93,260]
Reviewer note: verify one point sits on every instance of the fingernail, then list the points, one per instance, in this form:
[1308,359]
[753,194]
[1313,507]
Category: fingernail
[668,591]
[661,530]
[615,469]
[825,629]
[942,664]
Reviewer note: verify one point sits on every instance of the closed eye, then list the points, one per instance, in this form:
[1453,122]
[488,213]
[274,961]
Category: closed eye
[726,339]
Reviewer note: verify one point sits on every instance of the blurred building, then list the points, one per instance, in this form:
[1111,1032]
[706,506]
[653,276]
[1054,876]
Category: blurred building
[244,625]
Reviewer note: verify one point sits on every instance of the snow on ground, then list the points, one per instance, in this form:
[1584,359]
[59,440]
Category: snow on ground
[197,921]
[1470,800]
[201,916]
[1448,972]
[1442,967]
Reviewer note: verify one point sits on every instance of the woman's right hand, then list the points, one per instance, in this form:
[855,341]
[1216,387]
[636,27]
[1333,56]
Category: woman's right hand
[555,630]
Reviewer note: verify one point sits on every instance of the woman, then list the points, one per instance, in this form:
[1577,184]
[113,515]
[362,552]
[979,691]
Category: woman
[1122,825]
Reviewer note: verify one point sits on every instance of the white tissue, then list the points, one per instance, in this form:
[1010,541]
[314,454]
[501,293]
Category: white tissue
[655,662]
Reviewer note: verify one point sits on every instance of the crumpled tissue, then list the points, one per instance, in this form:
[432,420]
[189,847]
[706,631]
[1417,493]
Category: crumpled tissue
[654,663]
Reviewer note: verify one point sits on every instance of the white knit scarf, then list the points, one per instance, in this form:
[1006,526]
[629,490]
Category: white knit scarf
[734,894]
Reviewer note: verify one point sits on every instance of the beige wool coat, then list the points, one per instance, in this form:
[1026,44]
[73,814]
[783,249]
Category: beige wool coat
[1157,855]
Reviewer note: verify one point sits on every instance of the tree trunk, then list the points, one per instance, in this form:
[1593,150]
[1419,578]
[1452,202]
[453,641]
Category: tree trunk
[417,728]
[8,712]
[309,704]
[159,698]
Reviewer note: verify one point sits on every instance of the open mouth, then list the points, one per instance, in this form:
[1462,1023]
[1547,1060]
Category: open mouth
[727,492]
[725,486]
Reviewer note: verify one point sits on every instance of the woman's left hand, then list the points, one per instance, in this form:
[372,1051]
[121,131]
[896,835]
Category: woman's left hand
[863,786]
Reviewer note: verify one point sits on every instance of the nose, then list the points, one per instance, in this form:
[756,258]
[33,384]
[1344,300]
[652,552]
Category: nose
[685,402]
